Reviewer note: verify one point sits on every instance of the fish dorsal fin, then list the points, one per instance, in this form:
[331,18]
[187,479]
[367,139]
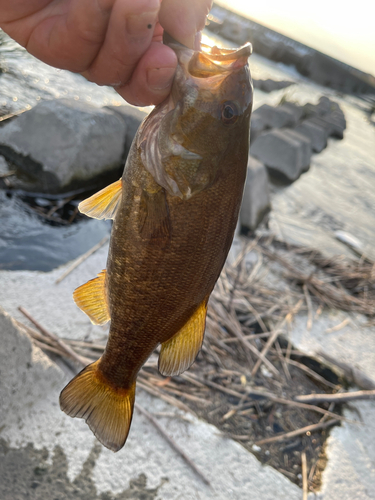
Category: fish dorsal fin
[91,298]
[104,203]
[179,352]
[107,410]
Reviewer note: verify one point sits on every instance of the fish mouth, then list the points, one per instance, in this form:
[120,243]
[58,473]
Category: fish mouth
[212,61]
[209,60]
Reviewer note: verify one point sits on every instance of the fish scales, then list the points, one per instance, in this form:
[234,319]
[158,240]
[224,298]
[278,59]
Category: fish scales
[165,282]
[175,212]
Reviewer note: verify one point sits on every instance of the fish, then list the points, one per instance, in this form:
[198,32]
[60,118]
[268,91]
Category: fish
[174,215]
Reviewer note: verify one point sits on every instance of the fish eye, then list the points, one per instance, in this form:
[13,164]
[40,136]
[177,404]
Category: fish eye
[229,113]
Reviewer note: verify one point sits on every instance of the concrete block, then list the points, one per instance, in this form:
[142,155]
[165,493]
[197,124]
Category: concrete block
[257,126]
[256,198]
[309,110]
[275,117]
[305,143]
[337,123]
[319,120]
[316,134]
[293,108]
[271,85]
[282,154]
[64,143]
[132,117]
[334,127]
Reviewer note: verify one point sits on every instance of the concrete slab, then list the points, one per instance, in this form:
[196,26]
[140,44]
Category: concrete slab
[339,335]
[350,471]
[45,454]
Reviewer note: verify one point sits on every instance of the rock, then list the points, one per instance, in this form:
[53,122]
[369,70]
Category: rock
[64,144]
[310,110]
[293,108]
[133,117]
[338,125]
[324,105]
[316,134]
[305,143]
[275,117]
[334,127]
[256,198]
[283,155]
[257,126]
[318,120]
[271,85]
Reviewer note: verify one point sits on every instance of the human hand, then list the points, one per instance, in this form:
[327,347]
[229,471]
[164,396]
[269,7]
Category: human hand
[110,42]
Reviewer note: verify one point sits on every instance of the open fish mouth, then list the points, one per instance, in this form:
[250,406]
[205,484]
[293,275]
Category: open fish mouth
[209,60]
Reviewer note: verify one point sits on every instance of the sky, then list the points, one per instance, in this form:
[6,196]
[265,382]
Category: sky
[344,30]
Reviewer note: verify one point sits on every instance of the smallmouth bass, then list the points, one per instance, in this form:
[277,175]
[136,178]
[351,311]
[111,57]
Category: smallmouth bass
[174,215]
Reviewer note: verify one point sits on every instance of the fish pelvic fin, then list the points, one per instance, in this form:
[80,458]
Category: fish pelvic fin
[104,203]
[91,298]
[178,353]
[107,410]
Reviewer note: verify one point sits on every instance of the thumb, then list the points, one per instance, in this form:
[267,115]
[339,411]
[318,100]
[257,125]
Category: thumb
[184,19]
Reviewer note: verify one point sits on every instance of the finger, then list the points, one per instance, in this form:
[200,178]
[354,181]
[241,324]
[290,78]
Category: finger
[152,79]
[129,34]
[183,19]
[93,36]
[19,9]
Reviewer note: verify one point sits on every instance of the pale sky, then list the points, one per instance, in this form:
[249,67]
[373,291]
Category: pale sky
[342,29]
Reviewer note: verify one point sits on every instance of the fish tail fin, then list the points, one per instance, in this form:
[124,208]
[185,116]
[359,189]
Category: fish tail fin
[107,410]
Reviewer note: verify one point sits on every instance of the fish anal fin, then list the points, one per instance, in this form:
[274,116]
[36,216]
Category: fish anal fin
[91,298]
[104,203]
[154,220]
[107,411]
[178,353]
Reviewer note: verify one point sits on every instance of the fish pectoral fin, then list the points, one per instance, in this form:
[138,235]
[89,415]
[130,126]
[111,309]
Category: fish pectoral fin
[104,203]
[91,298]
[178,353]
[154,220]
[107,410]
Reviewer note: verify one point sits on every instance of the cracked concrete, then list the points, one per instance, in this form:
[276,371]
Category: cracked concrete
[35,430]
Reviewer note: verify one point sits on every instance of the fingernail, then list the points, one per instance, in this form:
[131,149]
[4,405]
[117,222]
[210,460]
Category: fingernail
[160,78]
[140,24]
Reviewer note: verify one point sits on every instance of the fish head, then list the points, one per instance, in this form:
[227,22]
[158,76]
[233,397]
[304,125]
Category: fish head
[205,119]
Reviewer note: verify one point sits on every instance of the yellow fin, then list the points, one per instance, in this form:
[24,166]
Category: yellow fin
[179,352]
[104,203]
[107,411]
[91,298]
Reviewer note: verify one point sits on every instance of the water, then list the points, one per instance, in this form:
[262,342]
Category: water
[29,242]
[338,192]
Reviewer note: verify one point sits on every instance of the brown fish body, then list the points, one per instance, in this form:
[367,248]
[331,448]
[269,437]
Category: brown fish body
[173,227]
[173,275]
